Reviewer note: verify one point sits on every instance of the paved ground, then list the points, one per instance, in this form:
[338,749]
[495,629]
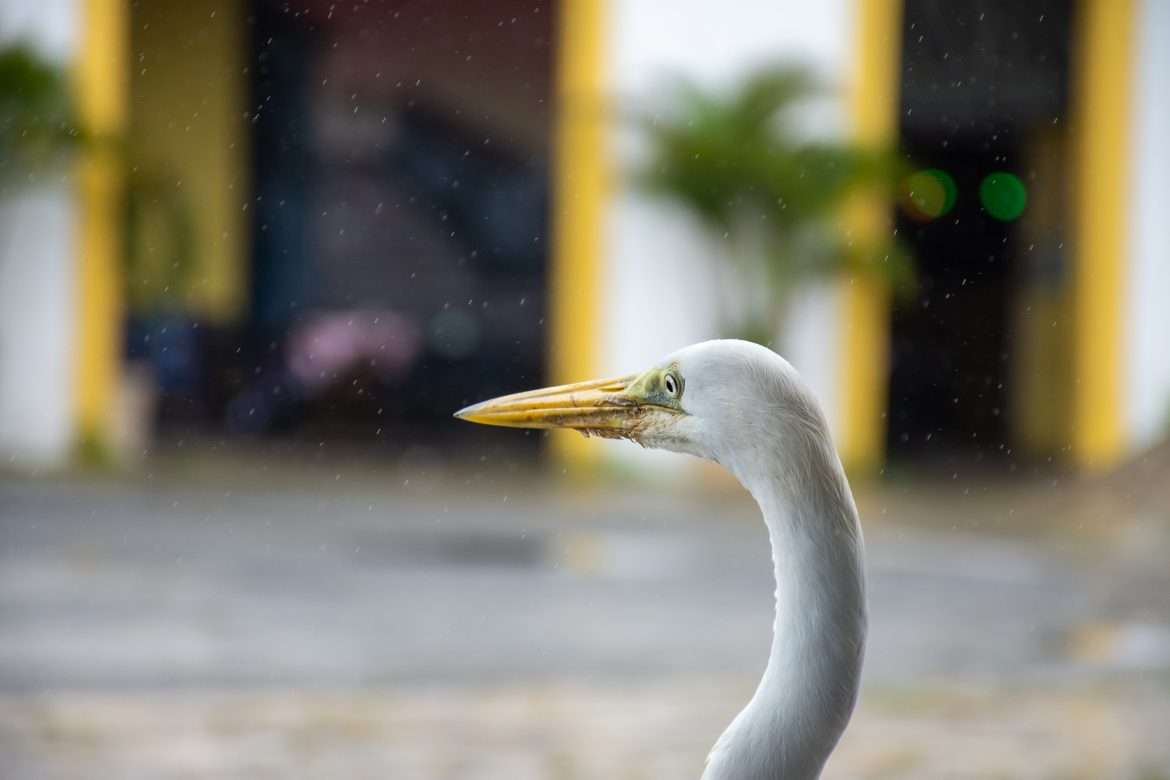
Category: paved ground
[406,627]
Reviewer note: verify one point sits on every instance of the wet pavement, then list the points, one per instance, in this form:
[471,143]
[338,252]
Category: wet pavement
[143,613]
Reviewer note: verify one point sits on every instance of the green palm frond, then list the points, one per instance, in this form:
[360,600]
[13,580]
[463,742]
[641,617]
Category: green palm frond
[737,159]
[36,113]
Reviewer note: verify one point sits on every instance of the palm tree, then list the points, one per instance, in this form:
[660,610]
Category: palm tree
[37,121]
[738,161]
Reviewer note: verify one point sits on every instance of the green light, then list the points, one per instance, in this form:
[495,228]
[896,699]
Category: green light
[1003,195]
[929,194]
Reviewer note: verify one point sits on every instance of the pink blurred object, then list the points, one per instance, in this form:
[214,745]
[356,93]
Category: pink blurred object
[329,345]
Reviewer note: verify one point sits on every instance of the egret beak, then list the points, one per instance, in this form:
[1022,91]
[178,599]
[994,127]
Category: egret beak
[601,407]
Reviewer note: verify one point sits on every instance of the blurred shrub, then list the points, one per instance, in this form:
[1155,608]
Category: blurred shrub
[37,121]
[161,244]
[737,160]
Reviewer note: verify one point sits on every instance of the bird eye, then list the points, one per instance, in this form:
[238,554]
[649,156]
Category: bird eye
[671,384]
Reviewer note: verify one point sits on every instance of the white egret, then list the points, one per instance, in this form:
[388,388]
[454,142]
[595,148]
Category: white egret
[743,406]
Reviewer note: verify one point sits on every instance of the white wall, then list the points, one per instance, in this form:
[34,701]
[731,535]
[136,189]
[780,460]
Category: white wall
[1147,301]
[49,25]
[658,266]
[37,258]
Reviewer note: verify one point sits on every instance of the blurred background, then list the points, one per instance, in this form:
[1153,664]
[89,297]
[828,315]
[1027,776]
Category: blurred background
[254,254]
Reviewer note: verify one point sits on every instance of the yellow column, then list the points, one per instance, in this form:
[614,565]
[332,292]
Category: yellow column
[1101,117]
[189,101]
[1040,390]
[101,81]
[873,108]
[580,183]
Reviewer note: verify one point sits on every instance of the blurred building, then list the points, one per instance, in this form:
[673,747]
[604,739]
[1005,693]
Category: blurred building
[1033,334]
[316,219]
[365,216]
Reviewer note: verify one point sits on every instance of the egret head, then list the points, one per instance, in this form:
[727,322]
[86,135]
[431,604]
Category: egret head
[710,399]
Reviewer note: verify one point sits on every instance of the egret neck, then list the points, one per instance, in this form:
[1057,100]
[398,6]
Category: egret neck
[809,687]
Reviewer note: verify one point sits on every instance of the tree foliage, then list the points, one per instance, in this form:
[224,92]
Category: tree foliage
[37,121]
[738,160]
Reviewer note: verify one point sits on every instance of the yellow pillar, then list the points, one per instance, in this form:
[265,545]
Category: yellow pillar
[189,130]
[1101,127]
[101,82]
[1041,371]
[580,182]
[873,108]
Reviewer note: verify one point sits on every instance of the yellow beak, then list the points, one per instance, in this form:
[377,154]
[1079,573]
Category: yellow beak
[601,407]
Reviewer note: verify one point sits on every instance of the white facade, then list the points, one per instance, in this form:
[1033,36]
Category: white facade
[37,273]
[1147,296]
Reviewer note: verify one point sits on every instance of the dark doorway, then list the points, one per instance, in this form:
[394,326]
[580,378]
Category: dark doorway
[401,164]
[979,82]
